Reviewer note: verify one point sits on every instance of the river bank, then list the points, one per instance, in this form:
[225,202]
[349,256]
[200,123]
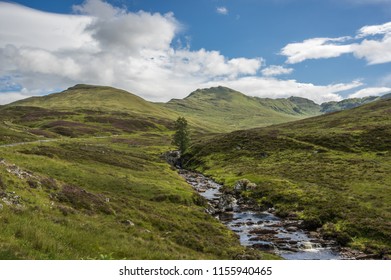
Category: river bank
[264,230]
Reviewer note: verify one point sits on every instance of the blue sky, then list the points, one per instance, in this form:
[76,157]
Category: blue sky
[319,49]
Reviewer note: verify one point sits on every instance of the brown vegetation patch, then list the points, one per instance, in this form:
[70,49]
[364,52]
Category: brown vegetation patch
[44,133]
[71,129]
[80,199]
[31,113]
[127,125]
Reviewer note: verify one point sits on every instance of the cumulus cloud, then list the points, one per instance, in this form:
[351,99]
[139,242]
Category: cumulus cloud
[374,30]
[36,29]
[222,10]
[43,52]
[315,48]
[372,91]
[374,51]
[276,70]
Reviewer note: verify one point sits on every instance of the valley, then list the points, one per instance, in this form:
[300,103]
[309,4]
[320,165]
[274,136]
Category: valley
[83,173]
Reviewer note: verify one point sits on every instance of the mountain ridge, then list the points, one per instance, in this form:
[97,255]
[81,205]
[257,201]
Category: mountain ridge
[218,109]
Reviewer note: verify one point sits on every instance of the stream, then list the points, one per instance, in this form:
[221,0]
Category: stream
[262,229]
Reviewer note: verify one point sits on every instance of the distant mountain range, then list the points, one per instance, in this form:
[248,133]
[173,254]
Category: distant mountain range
[216,109]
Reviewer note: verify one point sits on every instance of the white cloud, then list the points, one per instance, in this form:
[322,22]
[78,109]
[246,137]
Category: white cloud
[369,30]
[372,91]
[222,10]
[314,49]
[276,70]
[8,97]
[36,29]
[374,51]
[98,8]
[133,51]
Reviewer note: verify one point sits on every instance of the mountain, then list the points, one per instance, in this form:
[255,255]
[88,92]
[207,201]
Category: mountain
[83,176]
[92,97]
[333,106]
[86,166]
[84,110]
[333,171]
[230,110]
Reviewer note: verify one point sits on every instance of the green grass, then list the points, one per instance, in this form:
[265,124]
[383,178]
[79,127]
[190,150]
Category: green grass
[333,171]
[82,193]
[224,109]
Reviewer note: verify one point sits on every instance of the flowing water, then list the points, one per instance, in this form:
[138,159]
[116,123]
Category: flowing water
[263,230]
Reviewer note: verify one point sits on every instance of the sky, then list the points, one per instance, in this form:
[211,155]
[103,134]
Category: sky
[324,50]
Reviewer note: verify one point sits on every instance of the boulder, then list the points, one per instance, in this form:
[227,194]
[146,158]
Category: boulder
[263,231]
[173,158]
[226,202]
[263,246]
[244,185]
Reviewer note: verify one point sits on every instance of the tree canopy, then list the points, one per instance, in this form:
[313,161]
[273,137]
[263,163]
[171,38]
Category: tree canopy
[181,137]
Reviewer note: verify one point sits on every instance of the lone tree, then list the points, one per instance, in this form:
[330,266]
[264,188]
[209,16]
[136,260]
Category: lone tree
[181,137]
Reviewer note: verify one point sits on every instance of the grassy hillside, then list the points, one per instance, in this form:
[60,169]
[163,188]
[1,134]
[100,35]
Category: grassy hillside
[334,106]
[95,98]
[92,183]
[229,110]
[333,171]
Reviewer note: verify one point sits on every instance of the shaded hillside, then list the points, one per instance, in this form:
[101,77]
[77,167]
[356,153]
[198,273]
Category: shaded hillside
[334,106]
[231,110]
[333,171]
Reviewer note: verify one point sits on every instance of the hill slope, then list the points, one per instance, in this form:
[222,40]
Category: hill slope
[95,98]
[91,183]
[334,106]
[231,110]
[333,171]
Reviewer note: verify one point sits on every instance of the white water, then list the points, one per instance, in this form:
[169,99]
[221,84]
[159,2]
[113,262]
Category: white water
[263,230]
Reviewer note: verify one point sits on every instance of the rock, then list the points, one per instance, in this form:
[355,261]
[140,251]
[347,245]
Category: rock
[263,231]
[1,206]
[314,234]
[128,223]
[173,158]
[258,238]
[244,185]
[271,210]
[291,229]
[226,216]
[226,202]
[263,246]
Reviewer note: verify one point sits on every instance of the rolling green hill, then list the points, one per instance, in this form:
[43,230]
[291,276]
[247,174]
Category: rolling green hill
[230,110]
[95,98]
[95,110]
[333,171]
[92,182]
[83,176]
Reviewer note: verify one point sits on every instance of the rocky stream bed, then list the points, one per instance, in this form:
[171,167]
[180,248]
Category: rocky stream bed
[263,230]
